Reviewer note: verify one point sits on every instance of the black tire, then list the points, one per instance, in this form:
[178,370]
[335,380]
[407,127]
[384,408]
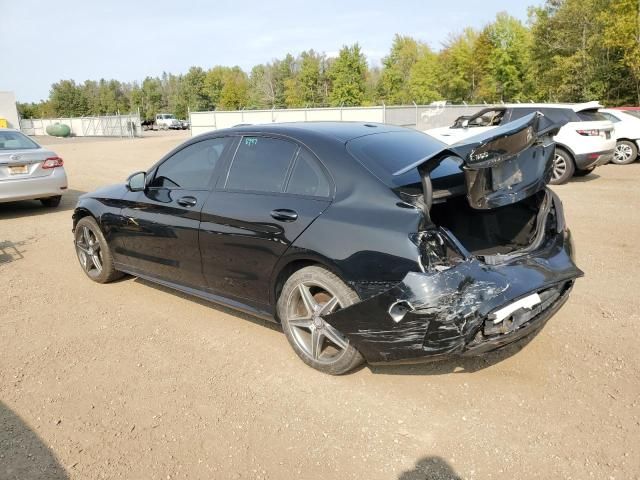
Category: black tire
[625,153]
[583,173]
[97,263]
[335,355]
[563,167]
[51,202]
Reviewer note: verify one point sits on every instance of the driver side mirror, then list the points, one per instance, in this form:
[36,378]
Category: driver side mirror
[137,182]
[465,123]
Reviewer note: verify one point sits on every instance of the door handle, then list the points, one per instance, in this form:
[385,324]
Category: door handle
[187,201]
[284,215]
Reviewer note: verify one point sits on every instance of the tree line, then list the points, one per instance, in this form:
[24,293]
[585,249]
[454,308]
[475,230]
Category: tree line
[567,51]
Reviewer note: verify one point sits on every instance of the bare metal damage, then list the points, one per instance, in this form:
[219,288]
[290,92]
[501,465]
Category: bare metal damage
[436,313]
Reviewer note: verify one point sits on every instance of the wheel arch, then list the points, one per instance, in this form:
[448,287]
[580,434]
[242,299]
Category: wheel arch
[567,150]
[287,266]
[79,213]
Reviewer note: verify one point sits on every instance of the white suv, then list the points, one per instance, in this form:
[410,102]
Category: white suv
[166,121]
[627,133]
[585,140]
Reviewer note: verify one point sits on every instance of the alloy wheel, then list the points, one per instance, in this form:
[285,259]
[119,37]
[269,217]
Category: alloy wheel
[559,166]
[89,251]
[622,153]
[307,304]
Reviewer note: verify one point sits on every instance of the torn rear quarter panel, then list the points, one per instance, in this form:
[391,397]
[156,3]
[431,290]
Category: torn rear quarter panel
[446,310]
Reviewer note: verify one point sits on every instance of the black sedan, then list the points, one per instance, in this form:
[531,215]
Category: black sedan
[365,241]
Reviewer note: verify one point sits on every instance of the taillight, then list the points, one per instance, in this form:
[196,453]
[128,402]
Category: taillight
[594,132]
[52,162]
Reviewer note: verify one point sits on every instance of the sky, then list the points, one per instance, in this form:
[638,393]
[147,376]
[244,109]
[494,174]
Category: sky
[46,41]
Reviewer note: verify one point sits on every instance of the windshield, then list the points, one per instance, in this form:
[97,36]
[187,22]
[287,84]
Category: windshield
[16,141]
[385,153]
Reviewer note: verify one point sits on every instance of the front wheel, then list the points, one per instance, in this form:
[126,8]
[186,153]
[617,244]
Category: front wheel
[625,153]
[563,168]
[93,252]
[307,296]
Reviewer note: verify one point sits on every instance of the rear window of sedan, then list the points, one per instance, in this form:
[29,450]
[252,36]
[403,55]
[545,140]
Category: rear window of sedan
[385,153]
[16,141]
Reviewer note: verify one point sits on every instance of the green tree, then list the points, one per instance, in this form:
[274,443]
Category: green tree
[459,71]
[348,76]
[507,70]
[151,97]
[193,90]
[68,99]
[235,92]
[569,61]
[214,83]
[396,71]
[423,81]
[622,39]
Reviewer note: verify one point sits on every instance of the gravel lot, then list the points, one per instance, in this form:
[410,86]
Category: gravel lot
[131,380]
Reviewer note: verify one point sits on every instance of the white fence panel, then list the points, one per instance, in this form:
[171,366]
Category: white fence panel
[421,117]
[101,126]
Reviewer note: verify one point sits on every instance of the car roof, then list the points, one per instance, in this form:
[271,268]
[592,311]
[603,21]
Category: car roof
[341,131]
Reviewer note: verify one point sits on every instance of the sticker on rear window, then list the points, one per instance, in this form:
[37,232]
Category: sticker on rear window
[250,141]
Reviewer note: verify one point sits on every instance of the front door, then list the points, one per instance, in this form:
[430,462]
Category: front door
[161,223]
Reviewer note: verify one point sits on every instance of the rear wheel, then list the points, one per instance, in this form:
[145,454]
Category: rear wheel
[563,167]
[51,202]
[307,296]
[625,152]
[93,252]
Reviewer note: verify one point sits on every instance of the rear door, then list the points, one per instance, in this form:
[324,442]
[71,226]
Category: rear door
[272,191]
[161,223]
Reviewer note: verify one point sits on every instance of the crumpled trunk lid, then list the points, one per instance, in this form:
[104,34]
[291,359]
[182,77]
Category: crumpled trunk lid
[502,166]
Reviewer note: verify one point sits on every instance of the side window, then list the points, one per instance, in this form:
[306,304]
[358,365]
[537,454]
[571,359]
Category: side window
[610,117]
[261,164]
[307,177]
[517,113]
[192,167]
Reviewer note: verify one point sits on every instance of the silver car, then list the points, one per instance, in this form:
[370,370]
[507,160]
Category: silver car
[28,171]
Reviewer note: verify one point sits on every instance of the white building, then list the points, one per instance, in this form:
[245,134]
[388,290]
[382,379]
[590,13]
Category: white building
[8,109]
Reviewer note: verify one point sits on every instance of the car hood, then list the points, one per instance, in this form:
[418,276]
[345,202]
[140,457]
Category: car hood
[114,192]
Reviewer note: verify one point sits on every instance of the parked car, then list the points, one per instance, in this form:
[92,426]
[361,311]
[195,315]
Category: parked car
[166,121]
[29,171]
[366,241]
[184,125]
[627,135]
[633,111]
[585,141]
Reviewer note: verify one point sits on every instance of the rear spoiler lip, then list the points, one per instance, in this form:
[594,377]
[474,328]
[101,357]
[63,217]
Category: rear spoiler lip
[464,148]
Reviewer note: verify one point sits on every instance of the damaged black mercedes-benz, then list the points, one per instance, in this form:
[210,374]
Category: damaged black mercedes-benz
[367,242]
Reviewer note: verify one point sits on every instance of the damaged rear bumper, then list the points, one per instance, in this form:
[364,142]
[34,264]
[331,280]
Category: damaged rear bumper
[438,314]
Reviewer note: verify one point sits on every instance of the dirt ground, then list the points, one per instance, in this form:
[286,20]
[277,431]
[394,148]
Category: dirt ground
[131,380]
